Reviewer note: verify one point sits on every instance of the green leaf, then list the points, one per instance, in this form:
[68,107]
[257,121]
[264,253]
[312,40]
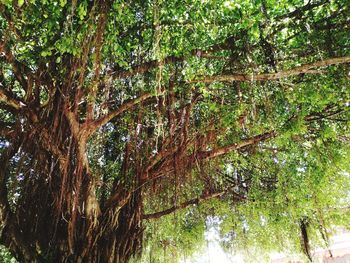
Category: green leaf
[63,3]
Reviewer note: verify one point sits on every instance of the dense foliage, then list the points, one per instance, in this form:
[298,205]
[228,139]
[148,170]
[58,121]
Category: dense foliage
[125,125]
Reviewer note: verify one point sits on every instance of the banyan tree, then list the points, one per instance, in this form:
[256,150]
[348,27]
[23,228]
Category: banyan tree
[114,114]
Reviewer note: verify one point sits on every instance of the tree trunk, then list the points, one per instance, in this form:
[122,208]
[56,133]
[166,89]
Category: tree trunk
[78,233]
[305,244]
[57,216]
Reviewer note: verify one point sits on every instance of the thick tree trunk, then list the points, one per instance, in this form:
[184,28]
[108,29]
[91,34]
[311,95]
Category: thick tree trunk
[42,235]
[57,216]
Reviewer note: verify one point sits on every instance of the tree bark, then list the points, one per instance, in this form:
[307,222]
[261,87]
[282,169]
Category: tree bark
[57,216]
[303,69]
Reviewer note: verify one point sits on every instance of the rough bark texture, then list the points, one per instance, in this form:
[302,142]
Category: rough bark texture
[57,216]
[305,244]
[303,69]
[53,208]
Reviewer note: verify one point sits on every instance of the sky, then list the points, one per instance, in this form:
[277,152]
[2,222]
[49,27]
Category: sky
[213,253]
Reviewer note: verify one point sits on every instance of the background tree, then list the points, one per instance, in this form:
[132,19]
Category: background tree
[114,113]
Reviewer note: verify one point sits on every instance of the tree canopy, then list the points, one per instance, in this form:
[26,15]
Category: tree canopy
[125,125]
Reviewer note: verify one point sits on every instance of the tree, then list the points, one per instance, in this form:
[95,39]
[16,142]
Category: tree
[116,113]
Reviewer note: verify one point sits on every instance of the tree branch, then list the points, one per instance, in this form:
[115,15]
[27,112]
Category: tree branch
[232,147]
[8,130]
[194,201]
[303,69]
[99,38]
[147,66]
[9,101]
[124,107]
[19,69]
[301,10]
[142,68]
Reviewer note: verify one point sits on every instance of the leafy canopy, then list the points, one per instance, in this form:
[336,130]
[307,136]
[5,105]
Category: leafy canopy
[246,102]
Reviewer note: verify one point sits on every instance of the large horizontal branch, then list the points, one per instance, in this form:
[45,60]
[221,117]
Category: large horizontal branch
[147,66]
[232,147]
[187,161]
[299,11]
[124,107]
[194,201]
[303,69]
[9,101]
[205,53]
[258,138]
[142,68]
